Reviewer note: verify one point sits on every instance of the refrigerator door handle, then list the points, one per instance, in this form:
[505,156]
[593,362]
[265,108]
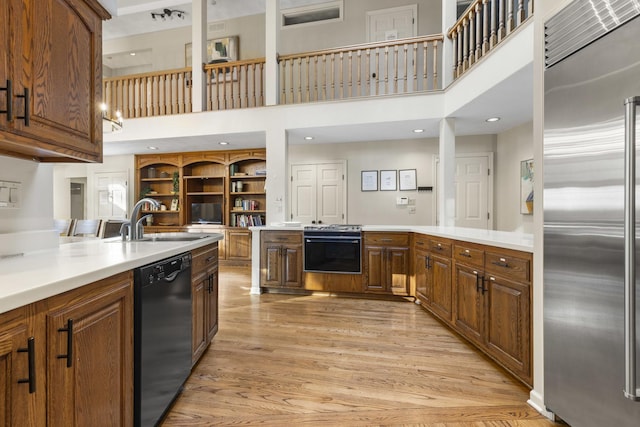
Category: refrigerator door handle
[630,390]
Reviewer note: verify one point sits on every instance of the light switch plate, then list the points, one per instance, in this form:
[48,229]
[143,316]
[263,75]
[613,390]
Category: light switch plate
[10,194]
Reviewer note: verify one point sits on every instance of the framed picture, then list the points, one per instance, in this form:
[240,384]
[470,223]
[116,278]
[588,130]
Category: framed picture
[217,50]
[388,180]
[526,187]
[369,181]
[408,179]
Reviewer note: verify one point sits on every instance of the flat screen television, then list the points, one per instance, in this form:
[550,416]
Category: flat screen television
[206,213]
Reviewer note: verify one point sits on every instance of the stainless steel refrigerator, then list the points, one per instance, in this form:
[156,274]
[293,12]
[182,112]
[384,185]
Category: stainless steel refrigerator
[591,80]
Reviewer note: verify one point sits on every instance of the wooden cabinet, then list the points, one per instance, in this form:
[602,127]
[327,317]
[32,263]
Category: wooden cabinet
[432,274]
[22,389]
[227,188]
[204,279]
[281,260]
[51,72]
[386,263]
[90,354]
[493,304]
[158,177]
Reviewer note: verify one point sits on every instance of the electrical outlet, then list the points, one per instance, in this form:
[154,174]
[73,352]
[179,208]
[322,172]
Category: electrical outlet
[412,210]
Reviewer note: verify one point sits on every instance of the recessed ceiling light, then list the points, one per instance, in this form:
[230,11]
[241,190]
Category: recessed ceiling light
[223,143]
[418,130]
[132,54]
[493,119]
[308,138]
[151,147]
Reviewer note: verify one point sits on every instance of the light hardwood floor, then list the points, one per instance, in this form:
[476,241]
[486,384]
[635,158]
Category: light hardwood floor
[281,360]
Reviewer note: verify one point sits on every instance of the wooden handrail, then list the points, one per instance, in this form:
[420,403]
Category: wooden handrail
[148,74]
[206,67]
[363,46]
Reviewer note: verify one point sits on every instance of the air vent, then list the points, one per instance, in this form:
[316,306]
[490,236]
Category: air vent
[216,27]
[317,13]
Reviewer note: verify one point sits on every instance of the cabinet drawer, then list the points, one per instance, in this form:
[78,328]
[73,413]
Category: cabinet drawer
[440,247]
[388,239]
[203,258]
[420,241]
[509,267]
[469,255]
[294,237]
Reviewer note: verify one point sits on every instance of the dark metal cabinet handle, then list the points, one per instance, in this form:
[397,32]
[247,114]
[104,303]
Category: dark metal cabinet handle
[31,354]
[209,259]
[479,280]
[69,355]
[502,263]
[27,108]
[9,110]
[484,288]
[427,262]
[465,253]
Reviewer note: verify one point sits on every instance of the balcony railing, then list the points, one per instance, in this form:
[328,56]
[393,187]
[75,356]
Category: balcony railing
[482,27]
[392,67]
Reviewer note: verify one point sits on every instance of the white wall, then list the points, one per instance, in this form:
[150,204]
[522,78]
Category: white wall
[379,207]
[35,211]
[513,146]
[168,47]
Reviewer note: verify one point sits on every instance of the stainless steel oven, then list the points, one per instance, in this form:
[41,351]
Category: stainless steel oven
[333,249]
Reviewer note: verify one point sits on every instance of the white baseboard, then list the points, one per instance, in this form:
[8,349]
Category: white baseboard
[537,402]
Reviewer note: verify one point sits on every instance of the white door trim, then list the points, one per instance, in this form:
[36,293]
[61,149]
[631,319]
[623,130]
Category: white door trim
[371,13]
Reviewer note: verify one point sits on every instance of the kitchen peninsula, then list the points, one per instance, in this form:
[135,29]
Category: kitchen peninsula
[477,282]
[67,325]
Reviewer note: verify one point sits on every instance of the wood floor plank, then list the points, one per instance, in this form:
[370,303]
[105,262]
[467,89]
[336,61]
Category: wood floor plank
[328,361]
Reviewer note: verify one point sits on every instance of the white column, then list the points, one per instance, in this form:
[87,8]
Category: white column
[448,20]
[272,41]
[277,167]
[198,54]
[446,173]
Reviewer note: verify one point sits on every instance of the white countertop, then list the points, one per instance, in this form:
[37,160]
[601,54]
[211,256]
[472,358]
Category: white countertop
[40,274]
[502,239]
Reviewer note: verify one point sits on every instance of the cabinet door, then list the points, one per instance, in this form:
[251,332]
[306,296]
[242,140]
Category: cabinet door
[375,269]
[469,315]
[271,268]
[198,303]
[422,274]
[239,245]
[398,270]
[292,268]
[62,70]
[508,325]
[21,402]
[90,355]
[441,296]
[212,304]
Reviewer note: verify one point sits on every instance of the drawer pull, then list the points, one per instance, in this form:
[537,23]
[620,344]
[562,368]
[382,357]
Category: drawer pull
[386,240]
[466,253]
[209,259]
[502,263]
[27,107]
[420,243]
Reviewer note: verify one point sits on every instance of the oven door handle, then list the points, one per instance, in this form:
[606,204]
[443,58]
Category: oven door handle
[333,240]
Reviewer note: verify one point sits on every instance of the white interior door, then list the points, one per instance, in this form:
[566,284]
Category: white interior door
[111,188]
[318,193]
[303,193]
[474,191]
[330,187]
[390,24]
[472,183]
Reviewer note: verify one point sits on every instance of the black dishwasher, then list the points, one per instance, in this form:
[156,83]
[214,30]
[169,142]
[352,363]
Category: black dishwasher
[162,343]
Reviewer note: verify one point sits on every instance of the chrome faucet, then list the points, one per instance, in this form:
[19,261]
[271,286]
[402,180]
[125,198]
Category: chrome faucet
[133,229]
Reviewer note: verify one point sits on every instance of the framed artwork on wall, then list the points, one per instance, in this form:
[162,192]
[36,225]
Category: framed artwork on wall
[218,50]
[526,187]
[408,179]
[369,181]
[388,180]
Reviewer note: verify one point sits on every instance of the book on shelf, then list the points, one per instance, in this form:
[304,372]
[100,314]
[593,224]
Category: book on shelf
[243,220]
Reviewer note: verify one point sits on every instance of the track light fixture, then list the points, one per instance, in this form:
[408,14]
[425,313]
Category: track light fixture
[168,13]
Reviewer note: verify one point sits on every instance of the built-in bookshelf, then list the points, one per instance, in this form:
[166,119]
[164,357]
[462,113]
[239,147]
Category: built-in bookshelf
[159,178]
